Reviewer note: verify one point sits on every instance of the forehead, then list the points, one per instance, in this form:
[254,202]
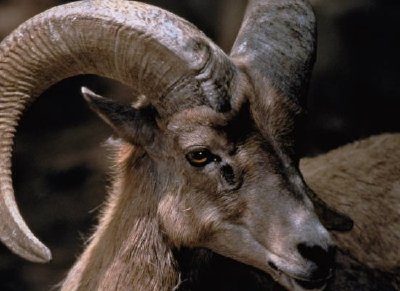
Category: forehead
[203,126]
[188,119]
[199,126]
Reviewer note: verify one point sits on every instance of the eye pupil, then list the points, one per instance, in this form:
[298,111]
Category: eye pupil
[200,158]
[201,155]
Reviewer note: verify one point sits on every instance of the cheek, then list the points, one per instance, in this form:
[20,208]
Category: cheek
[233,207]
[187,222]
[172,220]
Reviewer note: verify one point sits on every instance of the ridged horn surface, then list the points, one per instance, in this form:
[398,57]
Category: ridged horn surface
[276,43]
[154,52]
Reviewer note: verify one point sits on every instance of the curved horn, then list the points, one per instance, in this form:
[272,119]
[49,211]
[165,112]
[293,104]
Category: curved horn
[154,52]
[276,43]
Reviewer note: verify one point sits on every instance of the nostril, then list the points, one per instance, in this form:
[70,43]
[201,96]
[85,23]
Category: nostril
[322,258]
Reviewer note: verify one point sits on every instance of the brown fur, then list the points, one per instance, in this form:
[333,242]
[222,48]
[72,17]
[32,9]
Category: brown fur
[129,250]
[363,180]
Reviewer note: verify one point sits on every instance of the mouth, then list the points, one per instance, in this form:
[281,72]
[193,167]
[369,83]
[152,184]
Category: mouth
[312,285]
[296,283]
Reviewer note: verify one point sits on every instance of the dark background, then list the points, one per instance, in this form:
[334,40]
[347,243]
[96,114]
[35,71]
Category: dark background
[60,167]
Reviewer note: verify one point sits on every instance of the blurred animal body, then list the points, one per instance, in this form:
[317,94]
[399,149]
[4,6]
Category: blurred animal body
[361,180]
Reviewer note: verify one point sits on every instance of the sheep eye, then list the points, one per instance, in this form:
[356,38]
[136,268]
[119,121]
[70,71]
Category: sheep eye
[200,158]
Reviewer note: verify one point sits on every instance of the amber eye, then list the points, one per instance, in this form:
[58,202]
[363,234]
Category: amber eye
[201,157]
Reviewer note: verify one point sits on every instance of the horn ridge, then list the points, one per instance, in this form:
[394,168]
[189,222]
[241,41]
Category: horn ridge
[142,46]
[277,43]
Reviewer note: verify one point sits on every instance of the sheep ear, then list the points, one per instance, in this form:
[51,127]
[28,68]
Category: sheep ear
[136,126]
[330,218]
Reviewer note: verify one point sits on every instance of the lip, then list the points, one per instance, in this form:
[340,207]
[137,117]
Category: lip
[299,281]
[272,266]
[312,285]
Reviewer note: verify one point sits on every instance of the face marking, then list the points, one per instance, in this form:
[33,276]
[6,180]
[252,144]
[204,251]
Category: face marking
[228,174]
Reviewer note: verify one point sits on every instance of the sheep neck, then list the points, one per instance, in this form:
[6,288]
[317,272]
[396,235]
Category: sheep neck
[128,250]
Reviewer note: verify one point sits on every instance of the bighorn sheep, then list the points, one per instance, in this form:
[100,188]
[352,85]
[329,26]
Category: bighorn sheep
[207,159]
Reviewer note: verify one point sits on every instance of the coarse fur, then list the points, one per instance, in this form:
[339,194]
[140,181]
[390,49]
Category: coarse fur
[134,252]
[362,179]
[128,247]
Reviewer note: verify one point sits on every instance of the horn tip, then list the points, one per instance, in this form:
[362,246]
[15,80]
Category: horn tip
[43,255]
[30,248]
[36,252]
[46,255]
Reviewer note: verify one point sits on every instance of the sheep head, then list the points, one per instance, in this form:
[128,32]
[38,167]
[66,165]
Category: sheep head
[219,129]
